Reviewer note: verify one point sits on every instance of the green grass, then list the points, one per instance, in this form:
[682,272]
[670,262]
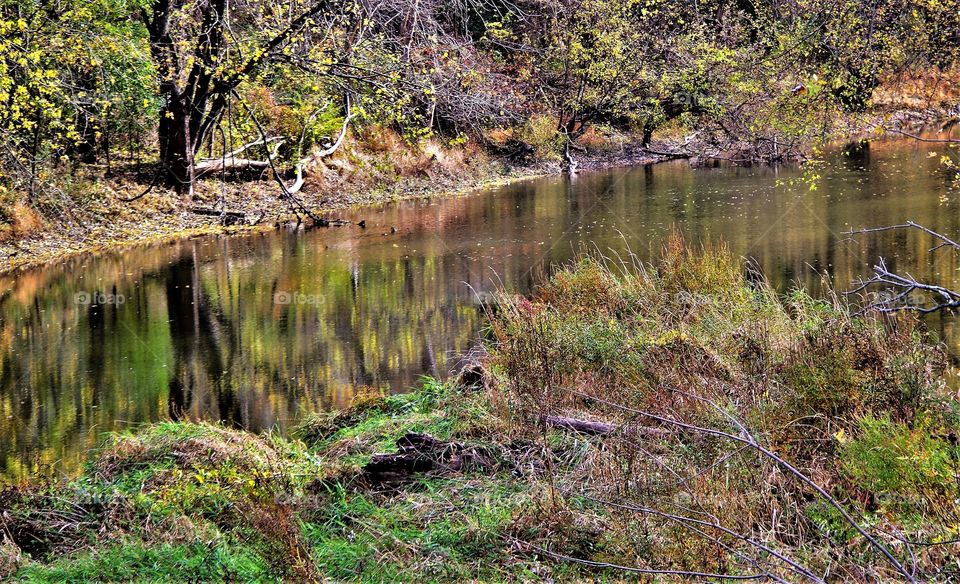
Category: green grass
[198,562]
[857,405]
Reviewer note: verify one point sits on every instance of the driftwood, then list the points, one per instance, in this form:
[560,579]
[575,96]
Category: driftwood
[229,217]
[582,426]
[422,453]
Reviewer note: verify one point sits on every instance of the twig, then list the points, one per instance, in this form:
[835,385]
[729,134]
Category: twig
[690,520]
[772,456]
[635,570]
[908,225]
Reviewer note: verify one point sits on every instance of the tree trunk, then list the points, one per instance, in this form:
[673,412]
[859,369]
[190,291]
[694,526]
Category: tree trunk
[176,148]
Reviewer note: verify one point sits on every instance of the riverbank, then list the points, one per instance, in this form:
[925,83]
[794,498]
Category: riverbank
[368,174]
[375,169]
[674,420]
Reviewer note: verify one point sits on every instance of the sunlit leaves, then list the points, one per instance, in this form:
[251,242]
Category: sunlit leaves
[66,66]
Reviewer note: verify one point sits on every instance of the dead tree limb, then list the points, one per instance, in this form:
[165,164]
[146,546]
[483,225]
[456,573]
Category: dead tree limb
[582,426]
[295,204]
[920,138]
[688,521]
[945,241]
[652,571]
[230,162]
[228,217]
[903,297]
[302,164]
[747,439]
[897,292]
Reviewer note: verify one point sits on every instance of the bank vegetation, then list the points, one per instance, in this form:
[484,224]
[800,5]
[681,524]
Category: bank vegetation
[124,118]
[673,421]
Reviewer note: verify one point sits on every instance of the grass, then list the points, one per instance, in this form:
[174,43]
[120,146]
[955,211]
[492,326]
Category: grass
[754,399]
[134,562]
[753,434]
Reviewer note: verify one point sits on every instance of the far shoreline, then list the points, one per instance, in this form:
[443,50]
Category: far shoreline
[47,248]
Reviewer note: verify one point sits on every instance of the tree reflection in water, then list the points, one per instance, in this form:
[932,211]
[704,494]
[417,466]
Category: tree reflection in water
[201,335]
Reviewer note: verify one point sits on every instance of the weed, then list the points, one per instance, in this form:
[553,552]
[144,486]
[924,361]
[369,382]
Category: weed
[744,434]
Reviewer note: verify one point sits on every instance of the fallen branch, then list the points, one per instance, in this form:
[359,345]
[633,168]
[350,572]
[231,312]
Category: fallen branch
[906,285]
[289,197]
[688,521]
[230,163]
[302,164]
[683,573]
[670,155]
[228,217]
[946,241]
[582,426]
[920,138]
[747,439]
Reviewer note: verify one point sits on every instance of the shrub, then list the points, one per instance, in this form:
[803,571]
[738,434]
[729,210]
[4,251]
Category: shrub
[911,470]
[540,131]
[690,340]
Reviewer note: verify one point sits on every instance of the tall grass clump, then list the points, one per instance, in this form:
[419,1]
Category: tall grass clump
[753,433]
[678,420]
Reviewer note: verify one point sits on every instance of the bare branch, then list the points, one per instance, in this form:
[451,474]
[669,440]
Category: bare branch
[752,443]
[897,290]
[908,225]
[634,570]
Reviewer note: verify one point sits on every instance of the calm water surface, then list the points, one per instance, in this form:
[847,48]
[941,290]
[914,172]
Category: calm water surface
[257,331]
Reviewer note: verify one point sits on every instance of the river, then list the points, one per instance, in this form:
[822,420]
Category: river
[256,331]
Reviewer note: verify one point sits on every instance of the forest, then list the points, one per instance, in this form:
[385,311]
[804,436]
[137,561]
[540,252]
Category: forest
[479,290]
[109,102]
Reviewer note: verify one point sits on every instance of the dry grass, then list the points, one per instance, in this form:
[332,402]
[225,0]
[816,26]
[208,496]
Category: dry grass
[919,90]
[10,557]
[210,446]
[752,435]
[19,222]
[733,408]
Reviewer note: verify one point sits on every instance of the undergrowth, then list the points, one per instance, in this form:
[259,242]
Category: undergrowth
[747,434]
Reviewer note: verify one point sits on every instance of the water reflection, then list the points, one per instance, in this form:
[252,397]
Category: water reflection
[256,331]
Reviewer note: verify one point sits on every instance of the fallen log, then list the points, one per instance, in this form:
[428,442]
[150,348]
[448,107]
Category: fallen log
[600,428]
[229,163]
[229,217]
[582,426]
[422,453]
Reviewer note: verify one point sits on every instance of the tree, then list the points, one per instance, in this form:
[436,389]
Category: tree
[71,73]
[205,49]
